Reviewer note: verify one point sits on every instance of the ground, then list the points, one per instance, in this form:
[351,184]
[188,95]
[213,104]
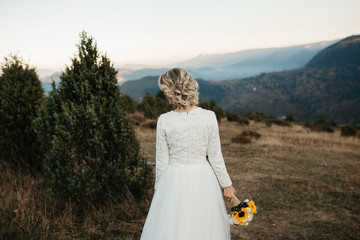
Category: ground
[306,185]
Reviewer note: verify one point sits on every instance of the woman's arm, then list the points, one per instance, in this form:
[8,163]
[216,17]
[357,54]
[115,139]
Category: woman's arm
[162,150]
[215,155]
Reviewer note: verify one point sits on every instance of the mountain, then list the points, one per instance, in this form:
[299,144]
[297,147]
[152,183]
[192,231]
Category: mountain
[238,64]
[131,74]
[47,79]
[329,84]
[280,54]
[342,53]
[219,67]
[137,88]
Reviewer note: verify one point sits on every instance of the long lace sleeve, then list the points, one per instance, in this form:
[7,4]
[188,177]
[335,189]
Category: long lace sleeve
[162,150]
[215,155]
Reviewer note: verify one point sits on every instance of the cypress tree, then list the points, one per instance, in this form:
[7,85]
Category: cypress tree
[94,154]
[21,96]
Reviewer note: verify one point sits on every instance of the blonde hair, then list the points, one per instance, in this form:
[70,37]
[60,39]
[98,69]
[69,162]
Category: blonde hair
[180,86]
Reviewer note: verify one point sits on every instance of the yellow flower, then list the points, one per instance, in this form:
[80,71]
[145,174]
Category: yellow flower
[252,206]
[241,216]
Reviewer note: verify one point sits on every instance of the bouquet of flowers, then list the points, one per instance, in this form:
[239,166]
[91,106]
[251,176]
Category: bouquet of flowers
[242,213]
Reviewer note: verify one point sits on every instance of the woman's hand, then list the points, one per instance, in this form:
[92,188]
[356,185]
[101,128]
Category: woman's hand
[229,194]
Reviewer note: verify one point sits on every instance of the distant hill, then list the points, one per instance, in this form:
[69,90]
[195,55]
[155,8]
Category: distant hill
[329,84]
[219,67]
[344,53]
[239,64]
[208,89]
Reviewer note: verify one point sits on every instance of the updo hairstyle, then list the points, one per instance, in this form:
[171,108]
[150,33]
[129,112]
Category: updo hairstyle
[180,86]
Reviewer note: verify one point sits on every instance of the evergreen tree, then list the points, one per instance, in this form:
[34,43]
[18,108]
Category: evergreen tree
[152,107]
[21,96]
[128,103]
[94,154]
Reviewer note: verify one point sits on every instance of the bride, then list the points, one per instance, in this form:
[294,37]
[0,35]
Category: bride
[188,202]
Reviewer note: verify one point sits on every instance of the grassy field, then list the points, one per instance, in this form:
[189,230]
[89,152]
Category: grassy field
[305,184]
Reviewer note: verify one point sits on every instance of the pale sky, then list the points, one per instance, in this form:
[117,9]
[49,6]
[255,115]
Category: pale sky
[45,32]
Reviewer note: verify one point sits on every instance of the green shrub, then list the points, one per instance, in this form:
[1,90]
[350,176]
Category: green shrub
[251,134]
[128,103]
[243,120]
[321,125]
[245,137]
[289,118]
[21,96]
[333,123]
[348,130]
[94,154]
[152,107]
[308,124]
[240,139]
[268,124]
[277,122]
[137,118]
[235,117]
[322,128]
[232,116]
[256,116]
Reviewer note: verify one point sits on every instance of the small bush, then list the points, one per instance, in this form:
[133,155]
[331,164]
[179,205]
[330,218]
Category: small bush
[289,118]
[322,128]
[256,116]
[333,124]
[308,124]
[232,116]
[235,117]
[129,104]
[251,134]
[321,125]
[348,130]
[243,121]
[152,107]
[240,139]
[136,118]
[278,122]
[245,137]
[268,124]
[150,124]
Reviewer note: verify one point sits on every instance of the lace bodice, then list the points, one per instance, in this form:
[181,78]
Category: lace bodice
[185,138]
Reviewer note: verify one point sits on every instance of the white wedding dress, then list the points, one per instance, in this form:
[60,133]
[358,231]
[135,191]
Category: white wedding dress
[188,202]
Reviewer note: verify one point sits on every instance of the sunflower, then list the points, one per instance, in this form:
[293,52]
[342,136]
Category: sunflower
[241,216]
[252,206]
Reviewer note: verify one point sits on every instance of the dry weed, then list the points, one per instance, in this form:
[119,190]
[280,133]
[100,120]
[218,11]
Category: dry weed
[28,212]
[306,186]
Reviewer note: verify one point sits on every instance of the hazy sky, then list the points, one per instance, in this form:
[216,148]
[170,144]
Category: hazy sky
[163,31]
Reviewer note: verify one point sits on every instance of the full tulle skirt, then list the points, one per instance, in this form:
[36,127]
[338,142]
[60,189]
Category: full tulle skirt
[187,204]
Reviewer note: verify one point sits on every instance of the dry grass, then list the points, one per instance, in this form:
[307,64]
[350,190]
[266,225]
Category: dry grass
[28,212]
[305,184]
